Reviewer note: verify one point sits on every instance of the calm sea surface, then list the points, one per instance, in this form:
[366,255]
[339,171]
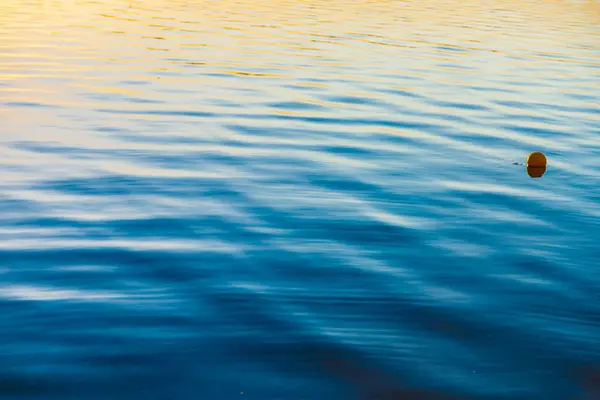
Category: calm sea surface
[294,199]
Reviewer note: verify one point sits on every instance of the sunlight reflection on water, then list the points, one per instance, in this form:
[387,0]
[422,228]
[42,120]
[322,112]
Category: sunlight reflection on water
[299,199]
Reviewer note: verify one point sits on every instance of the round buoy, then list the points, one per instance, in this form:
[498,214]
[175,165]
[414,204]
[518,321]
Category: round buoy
[536,160]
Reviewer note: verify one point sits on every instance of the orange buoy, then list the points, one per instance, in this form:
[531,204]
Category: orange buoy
[536,160]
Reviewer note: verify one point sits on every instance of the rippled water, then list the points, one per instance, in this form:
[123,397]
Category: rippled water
[299,199]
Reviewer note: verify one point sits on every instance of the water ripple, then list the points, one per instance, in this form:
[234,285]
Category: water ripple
[299,200]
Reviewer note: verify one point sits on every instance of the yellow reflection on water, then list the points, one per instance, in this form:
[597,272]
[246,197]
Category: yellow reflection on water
[118,41]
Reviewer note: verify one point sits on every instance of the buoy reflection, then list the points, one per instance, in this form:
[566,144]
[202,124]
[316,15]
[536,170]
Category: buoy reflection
[536,172]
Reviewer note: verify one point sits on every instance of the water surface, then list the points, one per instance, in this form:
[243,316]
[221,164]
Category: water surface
[299,199]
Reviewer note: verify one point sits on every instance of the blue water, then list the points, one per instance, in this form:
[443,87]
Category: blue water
[299,199]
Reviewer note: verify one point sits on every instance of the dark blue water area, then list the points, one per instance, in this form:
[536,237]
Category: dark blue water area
[299,200]
[301,304]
